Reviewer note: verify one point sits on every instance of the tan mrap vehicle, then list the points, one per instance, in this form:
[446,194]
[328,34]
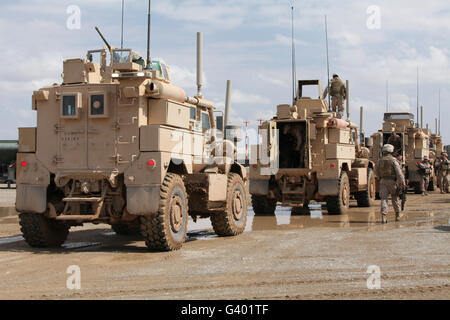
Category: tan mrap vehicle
[308,154]
[119,144]
[409,141]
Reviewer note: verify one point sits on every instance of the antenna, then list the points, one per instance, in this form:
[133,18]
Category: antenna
[149,61]
[438,131]
[328,64]
[199,64]
[121,37]
[417,95]
[294,75]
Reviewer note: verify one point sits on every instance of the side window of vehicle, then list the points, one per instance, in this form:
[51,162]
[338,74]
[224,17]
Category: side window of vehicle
[206,125]
[98,105]
[70,105]
[193,113]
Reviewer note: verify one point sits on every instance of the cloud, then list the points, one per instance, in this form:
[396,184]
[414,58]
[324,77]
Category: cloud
[239,97]
[272,79]
[245,41]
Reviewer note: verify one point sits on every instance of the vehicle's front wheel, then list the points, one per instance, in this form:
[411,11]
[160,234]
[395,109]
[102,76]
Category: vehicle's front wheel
[42,232]
[341,203]
[167,230]
[233,219]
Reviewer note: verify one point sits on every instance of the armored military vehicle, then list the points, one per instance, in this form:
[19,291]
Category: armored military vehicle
[117,143]
[306,154]
[408,140]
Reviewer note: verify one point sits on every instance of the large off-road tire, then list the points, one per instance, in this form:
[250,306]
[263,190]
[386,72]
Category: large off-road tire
[126,230]
[341,203]
[167,230]
[367,198]
[41,232]
[262,206]
[232,221]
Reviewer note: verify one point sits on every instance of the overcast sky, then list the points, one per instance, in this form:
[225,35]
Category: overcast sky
[247,41]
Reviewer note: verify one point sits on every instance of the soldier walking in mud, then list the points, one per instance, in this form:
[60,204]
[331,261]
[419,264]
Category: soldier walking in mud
[425,172]
[392,181]
[442,166]
[338,94]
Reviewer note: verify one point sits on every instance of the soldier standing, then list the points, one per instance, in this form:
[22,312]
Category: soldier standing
[425,172]
[338,94]
[443,166]
[392,181]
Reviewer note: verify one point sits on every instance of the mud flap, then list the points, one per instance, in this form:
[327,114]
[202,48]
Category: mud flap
[143,200]
[329,187]
[31,199]
[259,187]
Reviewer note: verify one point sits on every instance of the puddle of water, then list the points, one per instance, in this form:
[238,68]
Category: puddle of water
[316,214]
[79,245]
[200,235]
[10,240]
[109,234]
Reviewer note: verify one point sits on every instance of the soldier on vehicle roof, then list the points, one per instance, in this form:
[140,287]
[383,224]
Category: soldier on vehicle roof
[338,94]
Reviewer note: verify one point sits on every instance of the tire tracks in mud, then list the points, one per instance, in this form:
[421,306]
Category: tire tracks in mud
[336,287]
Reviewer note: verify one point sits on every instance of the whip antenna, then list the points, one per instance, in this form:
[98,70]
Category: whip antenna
[294,74]
[328,64]
[149,61]
[121,37]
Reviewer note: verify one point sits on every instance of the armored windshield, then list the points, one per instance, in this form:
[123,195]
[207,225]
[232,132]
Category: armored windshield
[122,56]
[162,69]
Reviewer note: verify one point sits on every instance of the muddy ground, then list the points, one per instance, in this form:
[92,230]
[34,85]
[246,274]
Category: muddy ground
[306,255]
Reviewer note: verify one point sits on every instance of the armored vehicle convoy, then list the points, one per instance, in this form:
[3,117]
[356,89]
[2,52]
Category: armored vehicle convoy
[308,154]
[117,143]
[408,140]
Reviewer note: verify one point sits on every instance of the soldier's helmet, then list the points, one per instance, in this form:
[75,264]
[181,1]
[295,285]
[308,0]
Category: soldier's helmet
[445,154]
[388,148]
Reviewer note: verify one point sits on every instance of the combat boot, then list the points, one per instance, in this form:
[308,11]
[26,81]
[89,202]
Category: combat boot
[398,216]
[384,218]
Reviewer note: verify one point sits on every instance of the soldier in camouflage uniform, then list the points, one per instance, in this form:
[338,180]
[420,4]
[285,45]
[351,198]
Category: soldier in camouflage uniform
[338,94]
[443,167]
[425,171]
[392,181]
